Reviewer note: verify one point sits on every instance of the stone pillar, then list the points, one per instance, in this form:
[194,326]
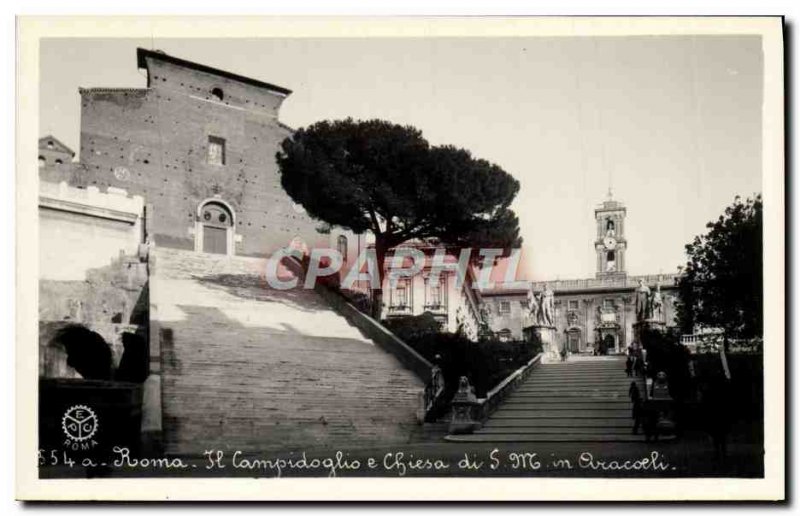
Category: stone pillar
[661,408]
[465,408]
[640,326]
[549,339]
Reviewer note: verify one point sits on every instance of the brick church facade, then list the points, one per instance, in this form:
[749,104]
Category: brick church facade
[199,145]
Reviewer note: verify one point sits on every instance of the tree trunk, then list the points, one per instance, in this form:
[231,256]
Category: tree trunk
[377,295]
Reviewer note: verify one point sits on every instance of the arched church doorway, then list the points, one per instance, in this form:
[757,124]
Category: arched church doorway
[608,344]
[574,340]
[214,228]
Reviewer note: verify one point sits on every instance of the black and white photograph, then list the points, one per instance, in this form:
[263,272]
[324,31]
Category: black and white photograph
[539,250]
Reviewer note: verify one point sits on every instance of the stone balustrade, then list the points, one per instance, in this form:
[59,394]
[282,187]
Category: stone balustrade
[469,412]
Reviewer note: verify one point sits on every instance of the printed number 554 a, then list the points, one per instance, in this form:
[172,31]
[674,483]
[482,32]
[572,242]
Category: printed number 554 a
[52,459]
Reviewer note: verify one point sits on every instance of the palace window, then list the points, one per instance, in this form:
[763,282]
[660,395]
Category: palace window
[401,296]
[341,245]
[505,307]
[608,303]
[216,150]
[434,293]
[572,304]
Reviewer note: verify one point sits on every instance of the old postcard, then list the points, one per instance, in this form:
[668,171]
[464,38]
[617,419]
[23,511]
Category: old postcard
[400,259]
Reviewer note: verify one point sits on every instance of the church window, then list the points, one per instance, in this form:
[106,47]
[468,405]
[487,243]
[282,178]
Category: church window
[216,150]
[505,307]
[59,162]
[50,144]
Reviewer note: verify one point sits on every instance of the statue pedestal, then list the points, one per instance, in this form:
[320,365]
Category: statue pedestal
[640,327]
[547,336]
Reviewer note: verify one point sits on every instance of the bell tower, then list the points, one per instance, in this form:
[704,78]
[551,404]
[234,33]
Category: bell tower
[610,244]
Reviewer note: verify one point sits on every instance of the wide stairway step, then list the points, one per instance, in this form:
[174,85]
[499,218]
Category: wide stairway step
[563,422]
[557,430]
[517,404]
[561,412]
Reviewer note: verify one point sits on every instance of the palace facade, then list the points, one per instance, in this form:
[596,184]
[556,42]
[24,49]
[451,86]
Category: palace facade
[591,314]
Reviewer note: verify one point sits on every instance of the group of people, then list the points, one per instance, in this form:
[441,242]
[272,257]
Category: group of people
[634,364]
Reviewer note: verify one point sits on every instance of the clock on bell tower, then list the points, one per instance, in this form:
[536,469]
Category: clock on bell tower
[610,244]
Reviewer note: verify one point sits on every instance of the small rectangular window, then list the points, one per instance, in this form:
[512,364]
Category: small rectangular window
[401,295]
[573,304]
[608,303]
[216,150]
[505,307]
[436,294]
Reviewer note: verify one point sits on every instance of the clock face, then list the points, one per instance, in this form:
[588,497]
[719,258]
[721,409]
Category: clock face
[609,242]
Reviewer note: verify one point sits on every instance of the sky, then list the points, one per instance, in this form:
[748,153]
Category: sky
[671,124]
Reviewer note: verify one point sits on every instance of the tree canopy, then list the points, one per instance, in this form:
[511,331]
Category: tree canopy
[722,282]
[383,177]
[386,178]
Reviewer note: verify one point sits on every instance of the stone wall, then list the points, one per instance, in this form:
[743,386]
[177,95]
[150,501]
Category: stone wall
[90,273]
[83,229]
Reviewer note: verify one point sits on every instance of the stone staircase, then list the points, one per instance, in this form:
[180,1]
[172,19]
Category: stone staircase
[583,399]
[246,367]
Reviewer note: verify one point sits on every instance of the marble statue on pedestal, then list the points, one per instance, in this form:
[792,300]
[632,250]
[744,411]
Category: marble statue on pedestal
[546,310]
[642,302]
[657,305]
[533,307]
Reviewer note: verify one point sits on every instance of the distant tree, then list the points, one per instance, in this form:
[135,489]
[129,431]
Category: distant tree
[385,178]
[722,282]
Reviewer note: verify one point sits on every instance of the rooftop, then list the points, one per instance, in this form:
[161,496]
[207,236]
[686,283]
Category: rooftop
[52,143]
[589,285]
[143,54]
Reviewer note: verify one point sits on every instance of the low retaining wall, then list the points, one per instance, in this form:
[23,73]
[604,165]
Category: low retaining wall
[498,394]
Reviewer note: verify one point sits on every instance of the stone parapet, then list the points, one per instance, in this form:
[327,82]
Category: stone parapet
[114,203]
